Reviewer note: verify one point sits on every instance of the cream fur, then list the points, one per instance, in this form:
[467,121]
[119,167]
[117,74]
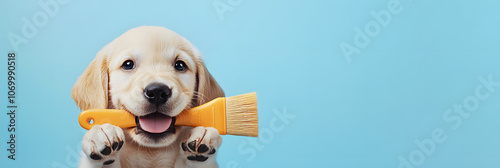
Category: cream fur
[104,84]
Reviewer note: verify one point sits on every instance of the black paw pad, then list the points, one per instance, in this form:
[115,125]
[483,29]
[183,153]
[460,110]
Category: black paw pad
[183,146]
[202,148]
[211,151]
[106,150]
[108,162]
[115,145]
[95,156]
[120,145]
[198,158]
[192,145]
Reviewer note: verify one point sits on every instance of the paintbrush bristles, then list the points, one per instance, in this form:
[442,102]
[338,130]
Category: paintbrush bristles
[241,115]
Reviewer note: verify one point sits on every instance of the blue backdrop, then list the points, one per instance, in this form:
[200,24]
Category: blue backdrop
[351,83]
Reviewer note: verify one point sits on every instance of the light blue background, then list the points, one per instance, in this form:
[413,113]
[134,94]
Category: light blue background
[365,113]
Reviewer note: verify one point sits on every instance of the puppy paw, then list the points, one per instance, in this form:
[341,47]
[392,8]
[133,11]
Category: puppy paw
[102,143]
[201,144]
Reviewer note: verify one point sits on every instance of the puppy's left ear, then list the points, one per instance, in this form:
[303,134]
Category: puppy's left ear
[91,89]
[207,88]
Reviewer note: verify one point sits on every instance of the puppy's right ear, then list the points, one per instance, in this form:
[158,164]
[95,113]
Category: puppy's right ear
[91,89]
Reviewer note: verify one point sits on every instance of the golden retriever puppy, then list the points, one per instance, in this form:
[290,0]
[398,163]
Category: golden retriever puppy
[155,74]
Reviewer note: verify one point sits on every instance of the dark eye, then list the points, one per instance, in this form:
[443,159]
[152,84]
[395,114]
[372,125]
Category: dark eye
[180,66]
[128,65]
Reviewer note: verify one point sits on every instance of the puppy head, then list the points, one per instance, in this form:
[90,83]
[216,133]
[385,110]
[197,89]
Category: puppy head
[154,74]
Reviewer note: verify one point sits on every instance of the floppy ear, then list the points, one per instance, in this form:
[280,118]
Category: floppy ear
[208,89]
[91,89]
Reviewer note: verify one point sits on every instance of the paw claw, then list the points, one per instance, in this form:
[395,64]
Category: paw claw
[202,148]
[95,156]
[212,151]
[119,145]
[108,162]
[115,145]
[106,150]
[192,145]
[199,158]
[183,146]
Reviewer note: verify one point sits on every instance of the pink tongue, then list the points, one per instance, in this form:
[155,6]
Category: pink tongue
[155,123]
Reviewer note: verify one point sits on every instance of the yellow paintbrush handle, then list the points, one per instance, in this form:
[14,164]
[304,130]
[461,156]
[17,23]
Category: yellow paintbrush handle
[120,118]
[211,114]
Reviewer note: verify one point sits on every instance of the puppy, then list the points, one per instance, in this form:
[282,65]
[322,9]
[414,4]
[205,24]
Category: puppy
[155,74]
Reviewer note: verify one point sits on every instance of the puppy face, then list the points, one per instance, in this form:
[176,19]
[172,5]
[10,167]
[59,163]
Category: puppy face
[154,74]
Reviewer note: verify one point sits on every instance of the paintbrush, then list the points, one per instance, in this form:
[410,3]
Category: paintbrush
[236,115]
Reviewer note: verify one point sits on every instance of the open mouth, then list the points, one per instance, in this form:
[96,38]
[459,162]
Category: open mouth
[156,125]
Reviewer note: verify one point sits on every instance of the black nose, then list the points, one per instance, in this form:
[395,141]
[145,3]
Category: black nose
[157,94]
